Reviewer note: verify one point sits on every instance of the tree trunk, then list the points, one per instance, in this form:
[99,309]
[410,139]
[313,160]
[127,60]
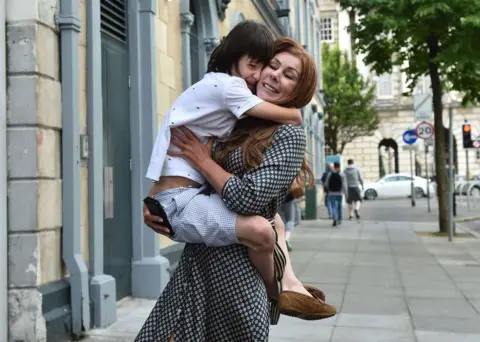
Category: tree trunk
[352,18]
[440,162]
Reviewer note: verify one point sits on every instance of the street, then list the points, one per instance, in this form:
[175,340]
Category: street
[388,282]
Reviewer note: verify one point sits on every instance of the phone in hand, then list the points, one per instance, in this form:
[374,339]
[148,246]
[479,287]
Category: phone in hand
[155,208]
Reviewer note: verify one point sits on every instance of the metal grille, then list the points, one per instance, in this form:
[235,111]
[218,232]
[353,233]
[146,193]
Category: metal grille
[114,18]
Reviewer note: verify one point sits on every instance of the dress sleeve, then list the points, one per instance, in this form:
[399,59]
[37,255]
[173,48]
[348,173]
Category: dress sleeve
[250,194]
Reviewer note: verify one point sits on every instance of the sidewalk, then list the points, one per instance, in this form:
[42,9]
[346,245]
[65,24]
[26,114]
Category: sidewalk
[388,284]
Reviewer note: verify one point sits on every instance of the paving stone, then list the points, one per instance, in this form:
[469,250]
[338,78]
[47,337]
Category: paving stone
[470,325]
[397,322]
[358,289]
[433,336]
[441,307]
[374,305]
[348,334]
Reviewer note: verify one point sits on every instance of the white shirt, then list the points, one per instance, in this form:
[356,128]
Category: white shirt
[208,108]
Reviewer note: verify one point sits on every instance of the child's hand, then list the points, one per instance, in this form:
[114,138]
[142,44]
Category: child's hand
[154,222]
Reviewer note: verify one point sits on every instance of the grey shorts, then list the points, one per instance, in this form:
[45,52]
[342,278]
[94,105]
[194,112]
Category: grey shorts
[198,217]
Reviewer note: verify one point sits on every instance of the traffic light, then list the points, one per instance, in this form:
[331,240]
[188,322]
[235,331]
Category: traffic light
[467,136]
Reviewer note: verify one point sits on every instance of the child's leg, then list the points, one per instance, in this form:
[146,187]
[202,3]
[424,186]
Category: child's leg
[290,281]
[257,234]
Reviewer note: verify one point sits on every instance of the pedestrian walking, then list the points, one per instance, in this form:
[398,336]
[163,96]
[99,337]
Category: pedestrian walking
[337,187]
[328,170]
[354,182]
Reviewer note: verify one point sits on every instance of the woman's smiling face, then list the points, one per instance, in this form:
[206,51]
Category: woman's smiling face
[278,79]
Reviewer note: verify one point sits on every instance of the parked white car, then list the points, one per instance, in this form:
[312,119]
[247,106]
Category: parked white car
[397,185]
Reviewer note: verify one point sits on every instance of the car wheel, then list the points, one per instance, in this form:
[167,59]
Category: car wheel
[475,192]
[419,193]
[370,194]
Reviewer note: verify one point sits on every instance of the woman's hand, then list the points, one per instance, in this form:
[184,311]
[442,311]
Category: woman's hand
[191,148]
[154,222]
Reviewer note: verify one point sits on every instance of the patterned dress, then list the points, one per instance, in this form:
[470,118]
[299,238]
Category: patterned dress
[215,294]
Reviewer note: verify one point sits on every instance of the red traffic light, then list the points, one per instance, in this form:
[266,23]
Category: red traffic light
[467,128]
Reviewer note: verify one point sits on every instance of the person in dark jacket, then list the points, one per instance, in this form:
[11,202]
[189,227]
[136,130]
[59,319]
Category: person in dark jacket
[328,170]
[337,187]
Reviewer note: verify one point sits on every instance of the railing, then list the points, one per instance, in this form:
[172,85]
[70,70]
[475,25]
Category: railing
[467,195]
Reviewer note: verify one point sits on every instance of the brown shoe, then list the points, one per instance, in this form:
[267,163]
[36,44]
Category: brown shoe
[298,305]
[317,293]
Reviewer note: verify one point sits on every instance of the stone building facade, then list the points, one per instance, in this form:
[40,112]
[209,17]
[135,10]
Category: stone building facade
[382,152]
[87,85]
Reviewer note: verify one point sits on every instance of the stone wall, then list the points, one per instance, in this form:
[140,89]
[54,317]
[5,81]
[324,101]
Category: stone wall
[34,183]
[169,64]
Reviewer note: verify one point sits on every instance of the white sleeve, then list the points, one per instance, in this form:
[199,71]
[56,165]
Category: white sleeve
[159,151]
[238,98]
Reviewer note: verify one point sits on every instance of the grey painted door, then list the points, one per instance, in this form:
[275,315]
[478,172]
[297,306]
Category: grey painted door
[116,160]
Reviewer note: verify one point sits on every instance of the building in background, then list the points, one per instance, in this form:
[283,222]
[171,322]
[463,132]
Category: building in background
[382,153]
[88,83]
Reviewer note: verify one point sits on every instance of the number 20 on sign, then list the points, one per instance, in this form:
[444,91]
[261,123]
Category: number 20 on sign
[424,130]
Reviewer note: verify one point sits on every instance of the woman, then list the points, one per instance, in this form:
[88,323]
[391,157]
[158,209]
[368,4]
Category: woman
[215,294]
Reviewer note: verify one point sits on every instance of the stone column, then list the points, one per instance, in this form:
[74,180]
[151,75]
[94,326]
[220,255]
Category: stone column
[147,262]
[186,21]
[33,146]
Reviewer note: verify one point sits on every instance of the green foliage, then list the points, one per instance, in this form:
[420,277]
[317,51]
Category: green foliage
[349,109]
[404,33]
[438,38]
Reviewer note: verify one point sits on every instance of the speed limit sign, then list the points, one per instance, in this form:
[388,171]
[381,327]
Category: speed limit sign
[424,130]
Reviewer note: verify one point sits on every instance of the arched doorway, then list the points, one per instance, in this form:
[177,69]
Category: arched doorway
[388,156]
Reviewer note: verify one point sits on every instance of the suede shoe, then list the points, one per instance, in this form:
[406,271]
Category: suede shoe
[298,305]
[317,293]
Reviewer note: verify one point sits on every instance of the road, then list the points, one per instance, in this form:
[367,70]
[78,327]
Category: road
[400,210]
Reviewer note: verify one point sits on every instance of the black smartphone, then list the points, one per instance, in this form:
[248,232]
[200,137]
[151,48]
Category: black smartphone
[155,208]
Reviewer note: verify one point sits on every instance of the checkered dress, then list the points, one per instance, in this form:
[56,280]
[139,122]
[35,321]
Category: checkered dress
[215,294]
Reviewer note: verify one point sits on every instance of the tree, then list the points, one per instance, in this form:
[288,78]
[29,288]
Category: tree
[438,38]
[349,100]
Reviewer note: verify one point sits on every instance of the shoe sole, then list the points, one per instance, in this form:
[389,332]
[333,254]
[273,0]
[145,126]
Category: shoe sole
[310,317]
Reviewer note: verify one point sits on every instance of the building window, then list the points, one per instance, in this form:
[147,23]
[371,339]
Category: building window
[326,29]
[384,85]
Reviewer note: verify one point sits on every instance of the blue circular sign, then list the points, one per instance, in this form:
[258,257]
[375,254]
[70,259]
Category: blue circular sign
[410,137]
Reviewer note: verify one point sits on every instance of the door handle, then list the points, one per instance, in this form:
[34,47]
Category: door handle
[108,192]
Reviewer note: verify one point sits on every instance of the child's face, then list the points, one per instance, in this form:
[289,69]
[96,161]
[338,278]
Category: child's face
[249,70]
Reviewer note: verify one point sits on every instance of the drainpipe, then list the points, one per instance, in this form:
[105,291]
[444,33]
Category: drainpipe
[3,181]
[68,21]
[102,286]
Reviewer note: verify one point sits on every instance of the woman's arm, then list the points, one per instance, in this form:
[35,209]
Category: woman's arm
[248,195]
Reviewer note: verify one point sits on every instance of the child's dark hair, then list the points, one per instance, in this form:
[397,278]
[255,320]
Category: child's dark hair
[246,38]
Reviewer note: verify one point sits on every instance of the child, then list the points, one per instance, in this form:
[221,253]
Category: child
[210,108]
